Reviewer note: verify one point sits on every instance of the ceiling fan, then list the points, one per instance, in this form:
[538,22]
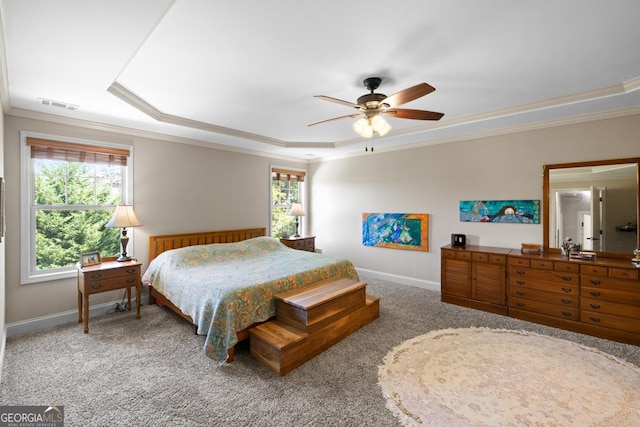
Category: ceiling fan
[372,106]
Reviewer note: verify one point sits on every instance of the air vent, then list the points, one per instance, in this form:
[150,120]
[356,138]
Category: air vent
[58,104]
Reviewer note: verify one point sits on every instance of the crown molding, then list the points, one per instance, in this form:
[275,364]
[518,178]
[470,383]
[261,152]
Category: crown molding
[137,133]
[122,93]
[623,112]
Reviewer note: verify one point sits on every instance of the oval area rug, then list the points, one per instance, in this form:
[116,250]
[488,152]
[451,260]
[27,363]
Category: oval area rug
[481,377]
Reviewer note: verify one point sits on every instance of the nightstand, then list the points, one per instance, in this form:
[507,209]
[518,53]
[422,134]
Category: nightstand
[300,243]
[108,276]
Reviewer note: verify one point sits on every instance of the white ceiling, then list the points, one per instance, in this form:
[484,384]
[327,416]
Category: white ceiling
[243,73]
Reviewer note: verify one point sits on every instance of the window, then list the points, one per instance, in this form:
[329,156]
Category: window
[287,187]
[69,192]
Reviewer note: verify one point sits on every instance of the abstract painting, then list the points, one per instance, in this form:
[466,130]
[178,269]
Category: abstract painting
[503,211]
[396,230]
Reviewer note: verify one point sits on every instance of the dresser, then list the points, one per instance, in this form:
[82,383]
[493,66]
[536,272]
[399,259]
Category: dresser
[598,297]
[301,243]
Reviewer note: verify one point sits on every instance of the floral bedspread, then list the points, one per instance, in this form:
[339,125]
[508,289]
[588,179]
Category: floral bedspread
[227,287]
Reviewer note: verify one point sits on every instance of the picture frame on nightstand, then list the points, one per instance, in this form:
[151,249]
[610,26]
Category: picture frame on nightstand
[88,259]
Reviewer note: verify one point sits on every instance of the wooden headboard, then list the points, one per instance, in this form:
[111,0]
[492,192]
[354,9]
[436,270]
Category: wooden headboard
[159,244]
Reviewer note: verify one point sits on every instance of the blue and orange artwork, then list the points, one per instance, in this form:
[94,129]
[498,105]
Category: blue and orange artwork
[396,230]
[501,211]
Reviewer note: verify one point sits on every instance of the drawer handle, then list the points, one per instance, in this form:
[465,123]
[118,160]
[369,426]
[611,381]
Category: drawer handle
[594,319]
[566,301]
[520,272]
[520,282]
[96,286]
[595,282]
[520,304]
[566,314]
[566,290]
[567,278]
[520,293]
[131,280]
[96,275]
[594,294]
[131,270]
[595,306]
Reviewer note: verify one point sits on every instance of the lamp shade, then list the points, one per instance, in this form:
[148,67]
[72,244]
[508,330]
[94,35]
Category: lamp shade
[124,217]
[296,210]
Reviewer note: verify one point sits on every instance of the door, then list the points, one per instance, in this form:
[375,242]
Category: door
[597,218]
[585,238]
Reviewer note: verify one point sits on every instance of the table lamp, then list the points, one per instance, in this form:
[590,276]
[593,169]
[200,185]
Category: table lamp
[124,217]
[297,211]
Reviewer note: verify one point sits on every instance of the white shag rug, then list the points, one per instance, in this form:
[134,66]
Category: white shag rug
[481,377]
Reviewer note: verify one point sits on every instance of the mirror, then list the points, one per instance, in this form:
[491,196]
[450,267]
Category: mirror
[596,204]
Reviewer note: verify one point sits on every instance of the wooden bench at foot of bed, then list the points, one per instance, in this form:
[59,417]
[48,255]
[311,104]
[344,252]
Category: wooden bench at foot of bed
[309,320]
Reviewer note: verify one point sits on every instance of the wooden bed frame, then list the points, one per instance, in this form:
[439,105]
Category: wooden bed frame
[159,244]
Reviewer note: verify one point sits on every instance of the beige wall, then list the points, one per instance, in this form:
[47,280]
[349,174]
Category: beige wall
[181,188]
[177,188]
[434,179]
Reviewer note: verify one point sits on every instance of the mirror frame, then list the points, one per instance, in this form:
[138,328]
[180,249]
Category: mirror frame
[547,200]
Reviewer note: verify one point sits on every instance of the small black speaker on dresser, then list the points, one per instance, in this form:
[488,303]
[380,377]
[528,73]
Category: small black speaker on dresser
[458,240]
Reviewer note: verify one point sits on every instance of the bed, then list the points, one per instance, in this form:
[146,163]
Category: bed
[223,282]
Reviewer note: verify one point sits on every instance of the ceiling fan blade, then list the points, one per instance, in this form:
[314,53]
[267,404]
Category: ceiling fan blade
[409,94]
[337,101]
[404,113]
[337,118]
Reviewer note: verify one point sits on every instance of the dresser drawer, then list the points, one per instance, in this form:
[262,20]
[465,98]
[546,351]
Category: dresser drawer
[112,273]
[567,313]
[604,294]
[563,289]
[545,275]
[608,283]
[446,254]
[497,259]
[542,264]
[491,258]
[298,244]
[610,321]
[624,273]
[519,262]
[566,266]
[566,300]
[594,270]
[609,307]
[109,285]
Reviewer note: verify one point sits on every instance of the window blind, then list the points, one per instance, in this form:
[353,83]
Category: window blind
[82,153]
[287,175]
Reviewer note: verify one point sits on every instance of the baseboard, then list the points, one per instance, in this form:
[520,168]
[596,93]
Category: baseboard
[30,325]
[17,328]
[404,280]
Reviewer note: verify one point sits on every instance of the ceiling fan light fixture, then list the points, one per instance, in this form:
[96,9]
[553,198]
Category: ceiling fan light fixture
[363,128]
[366,127]
[380,125]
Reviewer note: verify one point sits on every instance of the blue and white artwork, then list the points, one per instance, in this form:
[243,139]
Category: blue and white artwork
[501,211]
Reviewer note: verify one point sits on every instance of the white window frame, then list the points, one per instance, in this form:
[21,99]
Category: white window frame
[28,272]
[302,195]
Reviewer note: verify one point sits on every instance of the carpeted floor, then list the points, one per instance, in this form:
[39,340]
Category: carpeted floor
[153,371]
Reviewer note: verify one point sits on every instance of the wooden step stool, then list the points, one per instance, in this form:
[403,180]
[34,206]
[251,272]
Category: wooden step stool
[309,320]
